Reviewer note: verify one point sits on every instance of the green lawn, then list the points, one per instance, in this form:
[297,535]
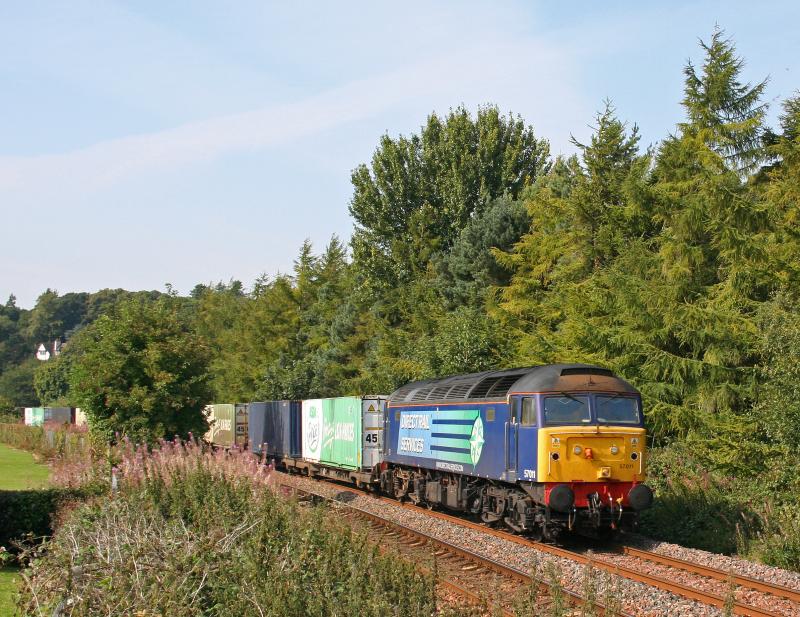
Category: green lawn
[7,591]
[19,470]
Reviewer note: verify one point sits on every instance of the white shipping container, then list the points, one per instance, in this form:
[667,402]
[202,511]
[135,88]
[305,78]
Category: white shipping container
[80,417]
[312,429]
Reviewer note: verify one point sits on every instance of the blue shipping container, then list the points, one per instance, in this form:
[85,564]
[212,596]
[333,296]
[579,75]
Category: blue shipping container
[278,425]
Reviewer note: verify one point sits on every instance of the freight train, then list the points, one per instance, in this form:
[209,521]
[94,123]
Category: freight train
[541,450]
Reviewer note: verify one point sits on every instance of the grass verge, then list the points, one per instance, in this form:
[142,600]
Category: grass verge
[8,588]
[19,470]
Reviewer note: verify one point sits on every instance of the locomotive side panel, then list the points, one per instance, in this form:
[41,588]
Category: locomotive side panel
[468,438]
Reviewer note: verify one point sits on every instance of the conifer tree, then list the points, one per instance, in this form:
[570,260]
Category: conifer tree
[580,220]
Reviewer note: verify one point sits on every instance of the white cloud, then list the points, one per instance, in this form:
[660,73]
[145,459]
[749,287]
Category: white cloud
[532,77]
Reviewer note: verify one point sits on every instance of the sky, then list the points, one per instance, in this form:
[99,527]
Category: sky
[184,142]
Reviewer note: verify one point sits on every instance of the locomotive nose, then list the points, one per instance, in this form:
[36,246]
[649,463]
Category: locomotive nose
[640,497]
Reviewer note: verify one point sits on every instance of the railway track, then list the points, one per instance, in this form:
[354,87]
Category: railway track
[479,580]
[664,583]
[764,599]
[745,582]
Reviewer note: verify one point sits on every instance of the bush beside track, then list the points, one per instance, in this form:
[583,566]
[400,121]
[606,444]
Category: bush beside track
[193,532]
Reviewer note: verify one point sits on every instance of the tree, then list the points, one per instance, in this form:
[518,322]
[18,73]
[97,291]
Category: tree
[466,341]
[140,371]
[419,192]
[781,198]
[584,213]
[16,384]
[663,280]
[723,113]
[51,378]
[14,347]
[469,270]
[315,360]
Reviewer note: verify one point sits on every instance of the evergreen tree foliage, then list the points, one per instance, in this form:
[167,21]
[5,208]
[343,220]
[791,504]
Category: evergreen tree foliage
[469,270]
[725,114]
[580,220]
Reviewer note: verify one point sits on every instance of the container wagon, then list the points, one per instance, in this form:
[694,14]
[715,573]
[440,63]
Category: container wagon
[34,416]
[61,415]
[342,438]
[227,425]
[274,429]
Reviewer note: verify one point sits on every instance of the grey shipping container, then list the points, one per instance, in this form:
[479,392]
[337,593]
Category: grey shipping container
[62,415]
[278,425]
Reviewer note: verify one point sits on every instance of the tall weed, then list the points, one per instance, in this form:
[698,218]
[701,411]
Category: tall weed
[194,532]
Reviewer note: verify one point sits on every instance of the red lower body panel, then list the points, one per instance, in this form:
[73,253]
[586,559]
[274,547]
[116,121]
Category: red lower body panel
[582,490]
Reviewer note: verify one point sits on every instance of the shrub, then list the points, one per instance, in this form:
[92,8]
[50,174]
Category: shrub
[49,441]
[198,533]
[778,540]
[29,515]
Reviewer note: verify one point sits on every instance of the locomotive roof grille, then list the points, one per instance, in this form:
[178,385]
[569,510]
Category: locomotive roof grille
[439,392]
[503,385]
[420,394]
[459,391]
[498,384]
[483,387]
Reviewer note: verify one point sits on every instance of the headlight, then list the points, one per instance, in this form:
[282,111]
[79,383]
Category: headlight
[577,450]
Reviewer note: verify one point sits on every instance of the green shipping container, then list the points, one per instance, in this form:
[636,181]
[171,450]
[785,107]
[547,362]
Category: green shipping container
[341,432]
[34,416]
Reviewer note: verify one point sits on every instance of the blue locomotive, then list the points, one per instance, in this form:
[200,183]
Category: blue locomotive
[541,450]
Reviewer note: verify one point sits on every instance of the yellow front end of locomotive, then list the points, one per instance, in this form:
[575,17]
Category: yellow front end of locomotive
[591,454]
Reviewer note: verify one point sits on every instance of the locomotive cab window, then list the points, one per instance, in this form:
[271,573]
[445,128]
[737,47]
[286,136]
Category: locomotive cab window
[617,410]
[529,412]
[567,409]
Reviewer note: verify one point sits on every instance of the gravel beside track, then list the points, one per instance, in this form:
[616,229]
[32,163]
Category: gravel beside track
[634,598]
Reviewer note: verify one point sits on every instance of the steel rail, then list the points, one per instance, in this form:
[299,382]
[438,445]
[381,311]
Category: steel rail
[715,573]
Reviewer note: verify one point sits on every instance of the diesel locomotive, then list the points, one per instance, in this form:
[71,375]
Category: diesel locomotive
[541,450]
